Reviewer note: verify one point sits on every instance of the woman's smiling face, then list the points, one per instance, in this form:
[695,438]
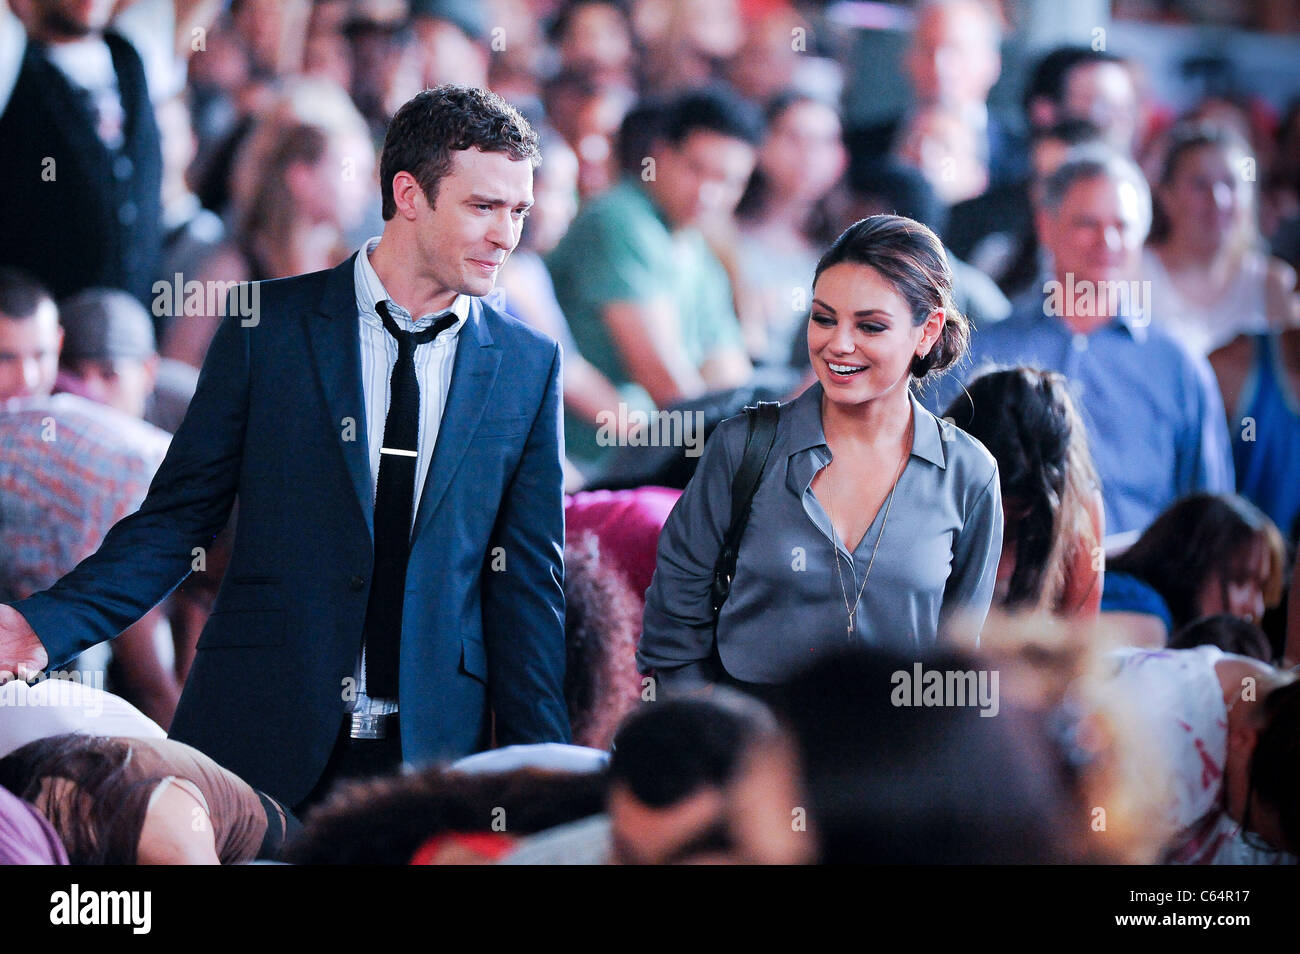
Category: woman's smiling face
[861,338]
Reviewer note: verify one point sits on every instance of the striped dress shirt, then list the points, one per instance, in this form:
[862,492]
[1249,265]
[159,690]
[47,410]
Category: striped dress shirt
[433,366]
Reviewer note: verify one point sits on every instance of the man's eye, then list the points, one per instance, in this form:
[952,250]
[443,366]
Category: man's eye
[483,206]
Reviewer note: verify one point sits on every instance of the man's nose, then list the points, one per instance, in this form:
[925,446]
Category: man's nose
[1223,196]
[502,234]
[31,375]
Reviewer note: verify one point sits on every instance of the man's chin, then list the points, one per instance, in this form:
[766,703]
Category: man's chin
[66,28]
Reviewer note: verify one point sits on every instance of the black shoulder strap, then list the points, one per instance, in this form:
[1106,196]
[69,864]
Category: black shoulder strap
[758,446]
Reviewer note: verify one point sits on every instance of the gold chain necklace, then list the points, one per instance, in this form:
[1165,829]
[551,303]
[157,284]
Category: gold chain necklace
[852,611]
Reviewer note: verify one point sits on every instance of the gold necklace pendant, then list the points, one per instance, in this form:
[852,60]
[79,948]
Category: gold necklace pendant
[852,610]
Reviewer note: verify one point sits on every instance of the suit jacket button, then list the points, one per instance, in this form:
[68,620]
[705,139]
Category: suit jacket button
[357,582]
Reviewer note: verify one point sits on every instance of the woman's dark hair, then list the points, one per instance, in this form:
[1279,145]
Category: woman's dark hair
[383,821]
[1275,764]
[100,815]
[1028,422]
[891,783]
[601,625]
[912,259]
[434,123]
[1200,538]
[820,225]
[1230,633]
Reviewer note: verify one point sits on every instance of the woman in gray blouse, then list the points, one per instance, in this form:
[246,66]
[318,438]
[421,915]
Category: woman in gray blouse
[874,521]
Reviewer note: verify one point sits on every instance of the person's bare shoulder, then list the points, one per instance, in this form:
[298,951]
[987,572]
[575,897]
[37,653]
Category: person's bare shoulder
[1231,365]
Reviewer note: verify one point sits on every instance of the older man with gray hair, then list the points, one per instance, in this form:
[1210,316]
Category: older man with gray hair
[1155,419]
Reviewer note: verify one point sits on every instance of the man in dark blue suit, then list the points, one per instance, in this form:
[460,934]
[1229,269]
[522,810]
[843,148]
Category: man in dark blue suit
[339,645]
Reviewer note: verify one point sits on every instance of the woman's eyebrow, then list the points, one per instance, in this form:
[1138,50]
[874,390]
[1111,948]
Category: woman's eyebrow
[865,313]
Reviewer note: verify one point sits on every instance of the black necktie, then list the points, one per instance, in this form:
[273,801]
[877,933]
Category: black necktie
[394,500]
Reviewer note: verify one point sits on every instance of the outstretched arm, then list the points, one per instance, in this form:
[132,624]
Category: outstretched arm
[147,554]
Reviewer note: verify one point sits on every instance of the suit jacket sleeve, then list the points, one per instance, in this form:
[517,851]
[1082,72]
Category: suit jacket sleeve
[523,602]
[149,553]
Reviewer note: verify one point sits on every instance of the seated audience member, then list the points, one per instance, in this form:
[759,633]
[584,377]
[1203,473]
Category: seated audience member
[594,37]
[26,838]
[648,302]
[118,801]
[529,293]
[1154,415]
[668,773]
[1227,727]
[893,188]
[1210,278]
[1230,633]
[388,820]
[59,706]
[1080,83]
[1259,376]
[69,469]
[300,183]
[785,219]
[109,357]
[994,232]
[588,112]
[952,61]
[30,337]
[191,233]
[885,783]
[1051,499]
[602,623]
[1208,553]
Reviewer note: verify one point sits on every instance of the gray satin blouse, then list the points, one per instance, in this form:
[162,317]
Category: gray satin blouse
[939,554]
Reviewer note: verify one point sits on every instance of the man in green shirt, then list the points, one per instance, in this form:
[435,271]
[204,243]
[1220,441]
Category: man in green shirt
[648,302]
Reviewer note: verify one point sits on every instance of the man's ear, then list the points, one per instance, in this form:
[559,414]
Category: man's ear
[408,195]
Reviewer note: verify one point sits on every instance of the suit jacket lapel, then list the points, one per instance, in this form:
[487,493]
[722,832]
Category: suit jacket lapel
[335,342]
[473,375]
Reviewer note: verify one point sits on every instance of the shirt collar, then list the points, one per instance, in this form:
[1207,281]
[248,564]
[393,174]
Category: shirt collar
[805,416]
[371,291]
[1135,325]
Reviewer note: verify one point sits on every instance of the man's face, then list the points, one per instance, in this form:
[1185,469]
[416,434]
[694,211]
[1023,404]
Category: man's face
[71,19]
[702,178]
[475,222]
[953,59]
[678,833]
[1103,94]
[122,383]
[1097,233]
[29,353]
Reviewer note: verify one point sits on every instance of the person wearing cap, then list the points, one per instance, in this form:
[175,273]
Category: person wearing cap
[108,349]
[110,357]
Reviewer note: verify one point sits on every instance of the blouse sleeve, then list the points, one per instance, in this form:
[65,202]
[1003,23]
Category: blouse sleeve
[976,552]
[677,630]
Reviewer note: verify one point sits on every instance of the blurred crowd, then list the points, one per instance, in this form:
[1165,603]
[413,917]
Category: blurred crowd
[697,161]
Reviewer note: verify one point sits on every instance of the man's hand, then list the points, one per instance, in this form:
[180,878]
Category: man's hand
[21,653]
